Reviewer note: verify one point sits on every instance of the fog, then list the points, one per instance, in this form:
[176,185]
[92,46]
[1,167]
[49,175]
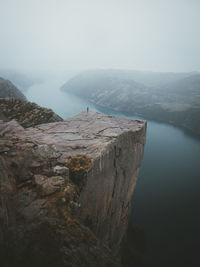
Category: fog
[155,35]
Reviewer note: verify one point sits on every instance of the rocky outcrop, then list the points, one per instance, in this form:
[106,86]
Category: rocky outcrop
[26,113]
[66,188]
[8,90]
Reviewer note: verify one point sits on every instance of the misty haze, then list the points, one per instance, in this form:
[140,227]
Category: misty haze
[99,133]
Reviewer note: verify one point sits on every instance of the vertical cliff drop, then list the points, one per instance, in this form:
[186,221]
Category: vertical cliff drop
[106,196]
[66,189]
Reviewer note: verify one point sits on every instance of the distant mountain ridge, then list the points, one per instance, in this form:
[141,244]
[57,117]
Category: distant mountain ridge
[21,80]
[9,90]
[172,97]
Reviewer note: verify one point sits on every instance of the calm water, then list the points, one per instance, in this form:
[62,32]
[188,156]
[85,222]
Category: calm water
[167,196]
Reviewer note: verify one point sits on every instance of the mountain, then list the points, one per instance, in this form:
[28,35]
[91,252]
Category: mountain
[171,97]
[21,80]
[9,90]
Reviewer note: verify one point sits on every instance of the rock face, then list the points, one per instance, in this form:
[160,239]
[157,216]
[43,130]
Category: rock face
[8,90]
[66,188]
[26,113]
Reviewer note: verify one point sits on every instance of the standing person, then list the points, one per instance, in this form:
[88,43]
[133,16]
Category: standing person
[87,109]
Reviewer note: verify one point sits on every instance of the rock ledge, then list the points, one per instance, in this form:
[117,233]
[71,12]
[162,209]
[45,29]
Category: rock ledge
[66,189]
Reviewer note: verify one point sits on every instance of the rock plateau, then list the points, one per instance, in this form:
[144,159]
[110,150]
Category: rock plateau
[66,188]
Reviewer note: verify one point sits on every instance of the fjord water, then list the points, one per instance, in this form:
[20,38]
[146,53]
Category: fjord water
[166,200]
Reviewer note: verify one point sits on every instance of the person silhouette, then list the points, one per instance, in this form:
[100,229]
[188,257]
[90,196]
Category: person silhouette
[87,109]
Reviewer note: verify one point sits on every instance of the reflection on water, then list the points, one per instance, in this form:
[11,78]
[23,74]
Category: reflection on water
[166,200]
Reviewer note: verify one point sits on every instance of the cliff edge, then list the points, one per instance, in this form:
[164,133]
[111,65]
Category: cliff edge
[66,189]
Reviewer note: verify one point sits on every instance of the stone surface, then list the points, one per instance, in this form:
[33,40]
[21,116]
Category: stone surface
[50,185]
[61,170]
[66,193]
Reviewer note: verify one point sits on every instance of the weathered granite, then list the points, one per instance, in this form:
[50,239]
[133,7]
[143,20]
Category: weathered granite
[66,188]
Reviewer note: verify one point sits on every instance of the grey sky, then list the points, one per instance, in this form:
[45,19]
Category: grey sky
[157,35]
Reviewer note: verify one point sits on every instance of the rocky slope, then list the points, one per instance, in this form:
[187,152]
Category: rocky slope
[171,97]
[26,113]
[8,90]
[65,190]
[20,79]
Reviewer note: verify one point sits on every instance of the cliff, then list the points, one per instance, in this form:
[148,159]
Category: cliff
[66,188]
[8,90]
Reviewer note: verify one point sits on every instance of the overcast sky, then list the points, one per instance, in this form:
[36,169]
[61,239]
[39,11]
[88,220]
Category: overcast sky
[156,35]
